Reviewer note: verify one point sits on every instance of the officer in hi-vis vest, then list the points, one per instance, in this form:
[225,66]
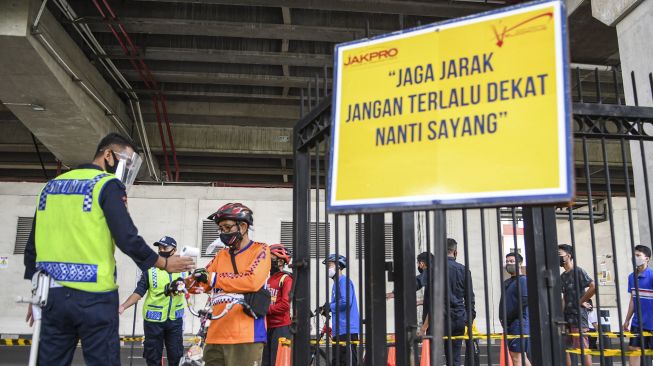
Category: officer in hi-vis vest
[81,216]
[163,310]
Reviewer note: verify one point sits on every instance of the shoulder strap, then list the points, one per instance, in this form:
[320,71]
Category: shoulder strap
[283,277]
[233,261]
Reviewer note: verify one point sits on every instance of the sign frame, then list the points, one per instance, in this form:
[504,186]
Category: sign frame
[565,193]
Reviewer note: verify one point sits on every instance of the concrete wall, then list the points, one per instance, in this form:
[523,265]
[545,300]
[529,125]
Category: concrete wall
[178,211]
[175,211]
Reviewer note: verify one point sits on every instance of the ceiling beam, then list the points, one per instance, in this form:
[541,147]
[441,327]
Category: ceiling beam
[225,56]
[214,169]
[448,9]
[189,93]
[240,140]
[232,29]
[272,111]
[226,78]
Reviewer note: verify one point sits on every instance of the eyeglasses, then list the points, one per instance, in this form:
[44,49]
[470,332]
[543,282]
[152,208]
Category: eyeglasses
[225,228]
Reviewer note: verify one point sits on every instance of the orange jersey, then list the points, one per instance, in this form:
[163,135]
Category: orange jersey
[253,264]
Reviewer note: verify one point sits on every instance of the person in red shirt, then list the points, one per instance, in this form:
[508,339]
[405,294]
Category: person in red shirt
[278,318]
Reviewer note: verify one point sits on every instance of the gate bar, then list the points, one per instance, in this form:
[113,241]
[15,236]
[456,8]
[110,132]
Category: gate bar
[544,305]
[403,243]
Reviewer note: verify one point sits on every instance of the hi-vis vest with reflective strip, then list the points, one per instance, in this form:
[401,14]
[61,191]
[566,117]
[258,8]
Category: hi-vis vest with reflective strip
[73,242]
[158,307]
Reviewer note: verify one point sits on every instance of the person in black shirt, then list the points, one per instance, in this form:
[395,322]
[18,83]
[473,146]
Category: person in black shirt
[460,298]
[424,261]
[574,280]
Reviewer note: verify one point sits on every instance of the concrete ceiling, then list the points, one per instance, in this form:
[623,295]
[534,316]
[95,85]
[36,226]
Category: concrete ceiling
[233,72]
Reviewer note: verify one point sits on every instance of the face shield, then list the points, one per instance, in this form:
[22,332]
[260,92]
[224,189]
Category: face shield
[128,166]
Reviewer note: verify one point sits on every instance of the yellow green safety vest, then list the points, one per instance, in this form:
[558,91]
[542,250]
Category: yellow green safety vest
[73,242]
[158,307]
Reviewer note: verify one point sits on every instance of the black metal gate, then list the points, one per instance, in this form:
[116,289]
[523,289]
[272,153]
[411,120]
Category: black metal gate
[381,250]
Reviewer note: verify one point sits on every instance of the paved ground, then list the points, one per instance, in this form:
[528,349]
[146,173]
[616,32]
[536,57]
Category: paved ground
[19,356]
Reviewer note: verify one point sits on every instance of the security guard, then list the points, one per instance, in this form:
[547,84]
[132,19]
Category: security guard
[163,312]
[81,216]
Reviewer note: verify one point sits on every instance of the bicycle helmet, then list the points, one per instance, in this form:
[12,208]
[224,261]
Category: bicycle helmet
[340,259]
[279,251]
[233,211]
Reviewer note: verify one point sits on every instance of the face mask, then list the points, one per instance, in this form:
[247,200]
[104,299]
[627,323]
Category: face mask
[332,272]
[639,261]
[166,254]
[420,269]
[231,239]
[111,168]
[511,268]
[562,261]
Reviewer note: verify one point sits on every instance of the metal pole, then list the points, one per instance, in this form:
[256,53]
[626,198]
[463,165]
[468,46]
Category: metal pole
[375,312]
[544,306]
[403,248]
[131,350]
[439,288]
[301,252]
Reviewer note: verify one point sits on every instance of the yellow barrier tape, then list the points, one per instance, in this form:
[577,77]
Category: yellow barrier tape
[16,342]
[391,340]
[142,338]
[610,352]
[611,334]
[27,342]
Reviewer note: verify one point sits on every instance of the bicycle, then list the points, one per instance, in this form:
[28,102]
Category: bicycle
[195,353]
[317,350]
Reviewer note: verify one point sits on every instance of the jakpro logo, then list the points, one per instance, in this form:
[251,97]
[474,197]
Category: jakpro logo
[373,56]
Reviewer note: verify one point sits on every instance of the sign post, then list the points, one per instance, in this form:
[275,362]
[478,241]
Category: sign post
[469,112]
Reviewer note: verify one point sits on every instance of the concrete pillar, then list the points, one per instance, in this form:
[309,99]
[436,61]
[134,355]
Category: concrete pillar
[42,93]
[634,23]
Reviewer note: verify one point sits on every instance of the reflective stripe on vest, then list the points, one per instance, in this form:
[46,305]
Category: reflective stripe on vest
[157,306]
[73,242]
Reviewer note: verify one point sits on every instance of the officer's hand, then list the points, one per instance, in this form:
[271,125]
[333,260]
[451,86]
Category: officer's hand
[30,317]
[201,275]
[178,264]
[121,309]
[626,326]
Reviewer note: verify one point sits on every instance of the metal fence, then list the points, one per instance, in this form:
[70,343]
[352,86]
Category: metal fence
[602,226]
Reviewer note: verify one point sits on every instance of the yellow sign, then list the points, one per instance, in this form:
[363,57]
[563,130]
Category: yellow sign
[473,111]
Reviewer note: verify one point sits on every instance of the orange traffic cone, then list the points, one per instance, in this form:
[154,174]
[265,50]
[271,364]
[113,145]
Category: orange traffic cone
[504,354]
[426,353]
[283,352]
[392,356]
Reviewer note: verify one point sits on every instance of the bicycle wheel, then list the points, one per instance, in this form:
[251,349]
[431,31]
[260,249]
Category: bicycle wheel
[322,358]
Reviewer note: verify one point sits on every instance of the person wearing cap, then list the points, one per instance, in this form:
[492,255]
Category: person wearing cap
[344,311]
[163,310]
[241,268]
[81,217]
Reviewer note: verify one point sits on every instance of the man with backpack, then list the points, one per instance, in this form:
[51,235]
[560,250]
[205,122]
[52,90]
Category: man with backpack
[278,318]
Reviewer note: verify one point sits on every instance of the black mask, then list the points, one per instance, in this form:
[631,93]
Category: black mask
[420,269]
[111,168]
[562,261]
[274,269]
[231,239]
[166,254]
